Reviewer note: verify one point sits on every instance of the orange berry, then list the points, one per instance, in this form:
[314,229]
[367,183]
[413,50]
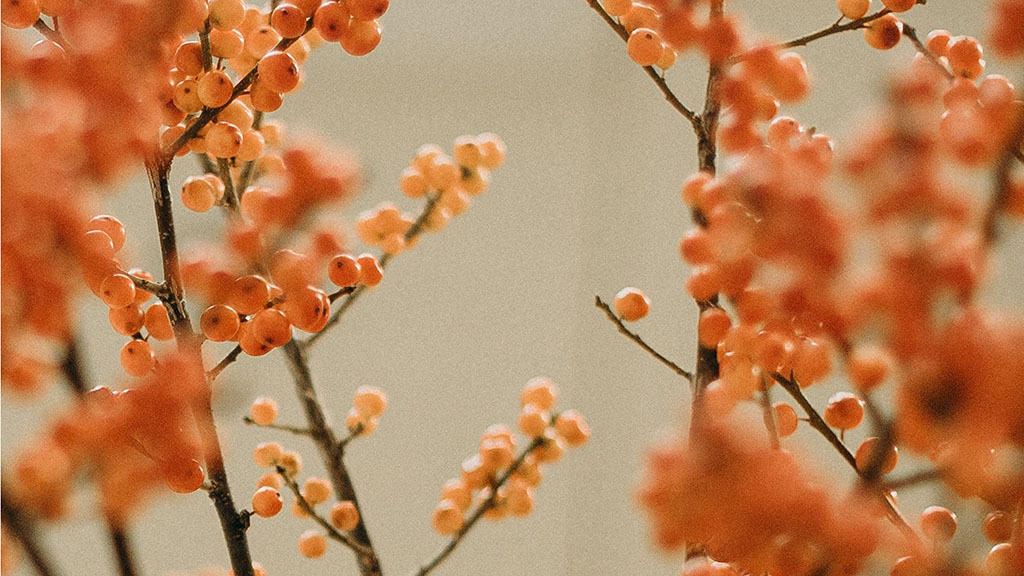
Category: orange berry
[185,477]
[572,428]
[370,402]
[998,526]
[550,450]
[867,367]
[413,183]
[263,98]
[226,43]
[899,5]
[540,392]
[844,411]
[447,518]
[312,544]
[533,421]
[492,150]
[361,37]
[214,88]
[249,294]
[344,515]
[519,498]
[785,419]
[811,362]
[252,146]
[158,323]
[291,462]
[853,9]
[270,327]
[964,54]
[368,9]
[640,15]
[456,491]
[331,20]
[288,20]
[198,194]
[938,42]
[617,7]
[112,227]
[137,357]
[644,46]
[495,454]
[219,322]
[316,490]
[1000,561]
[884,33]
[631,304]
[938,524]
[117,291]
[343,271]
[271,479]
[260,41]
[712,326]
[370,272]
[279,71]
[267,502]
[307,309]
[188,58]
[263,411]
[226,14]
[866,453]
[223,140]
[128,320]
[19,13]
[267,454]
[443,173]
[186,96]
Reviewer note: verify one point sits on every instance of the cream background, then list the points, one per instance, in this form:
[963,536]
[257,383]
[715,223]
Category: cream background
[587,203]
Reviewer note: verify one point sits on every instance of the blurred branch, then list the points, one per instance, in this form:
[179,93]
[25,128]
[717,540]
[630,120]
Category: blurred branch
[638,340]
[22,527]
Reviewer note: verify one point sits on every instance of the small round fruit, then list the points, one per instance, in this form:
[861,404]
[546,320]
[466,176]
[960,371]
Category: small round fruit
[263,411]
[312,544]
[267,502]
[631,304]
[644,46]
[344,515]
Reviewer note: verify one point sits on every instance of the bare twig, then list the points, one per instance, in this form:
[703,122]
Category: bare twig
[21,526]
[911,33]
[478,513]
[231,356]
[638,340]
[283,427]
[835,28]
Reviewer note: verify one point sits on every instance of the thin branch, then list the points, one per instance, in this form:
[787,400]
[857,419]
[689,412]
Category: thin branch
[833,29]
[21,526]
[768,413]
[658,79]
[204,44]
[154,288]
[638,340]
[308,508]
[1002,184]
[51,34]
[911,33]
[230,195]
[224,363]
[331,452]
[919,477]
[478,513]
[283,427]
[818,423]
[121,542]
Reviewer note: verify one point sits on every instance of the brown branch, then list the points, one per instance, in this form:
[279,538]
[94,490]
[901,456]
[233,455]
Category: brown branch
[121,543]
[308,508]
[282,427]
[224,363]
[232,524]
[51,34]
[22,527]
[638,340]
[913,479]
[331,451]
[768,413]
[833,29]
[658,79]
[1002,184]
[230,195]
[478,513]
[911,33]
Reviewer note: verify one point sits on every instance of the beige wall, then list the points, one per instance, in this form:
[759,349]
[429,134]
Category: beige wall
[588,203]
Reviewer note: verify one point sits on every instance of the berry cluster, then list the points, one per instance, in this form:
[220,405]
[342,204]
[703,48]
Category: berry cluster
[496,480]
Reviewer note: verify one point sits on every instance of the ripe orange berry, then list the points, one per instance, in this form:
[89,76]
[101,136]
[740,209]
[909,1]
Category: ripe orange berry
[368,9]
[263,98]
[370,402]
[865,454]
[223,140]
[226,43]
[214,88]
[263,411]
[219,322]
[270,327]
[19,13]
[572,428]
[456,491]
[361,37]
[252,146]
[550,450]
[198,194]
[188,58]
[267,454]
[964,55]
[712,326]
[267,502]
[291,462]
[492,150]
[899,5]
[312,544]
[137,357]
[343,271]
[271,479]
[158,323]
[249,294]
[112,227]
[184,477]
[226,14]
[443,173]
[355,421]
[1000,561]
[316,490]
[331,20]
[644,46]
[128,320]
[279,71]
[844,411]
[785,419]
[640,15]
[617,7]
[370,272]
[853,9]
[938,42]
[938,524]
[631,304]
[307,309]
[186,96]
[884,33]
[540,392]
[533,421]
[867,367]
[117,291]
[998,526]
[344,515]
[289,20]
[447,518]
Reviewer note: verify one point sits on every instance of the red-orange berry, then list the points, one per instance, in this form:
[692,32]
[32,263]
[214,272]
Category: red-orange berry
[270,327]
[938,524]
[447,518]
[137,358]
[263,411]
[368,9]
[226,43]
[644,46]
[712,326]
[158,323]
[291,462]
[997,526]
[249,294]
[117,291]
[785,419]
[198,194]
[867,367]
[184,477]
[533,421]
[219,322]
[307,309]
[899,5]
[214,88]
[19,13]
[289,20]
[370,272]
[853,9]
[226,14]
[316,490]
[866,454]
[312,544]
[112,227]
[343,271]
[540,392]
[370,402]
[844,411]
[331,20]
[267,502]
[631,304]
[223,140]
[572,428]
[279,71]
[344,515]
[492,150]
[361,37]
[267,454]
[128,320]
[884,33]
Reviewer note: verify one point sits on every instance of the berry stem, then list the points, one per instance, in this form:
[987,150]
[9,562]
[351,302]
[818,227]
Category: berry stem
[283,427]
[22,527]
[308,508]
[658,79]
[202,410]
[639,341]
[835,28]
[478,513]
[331,452]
